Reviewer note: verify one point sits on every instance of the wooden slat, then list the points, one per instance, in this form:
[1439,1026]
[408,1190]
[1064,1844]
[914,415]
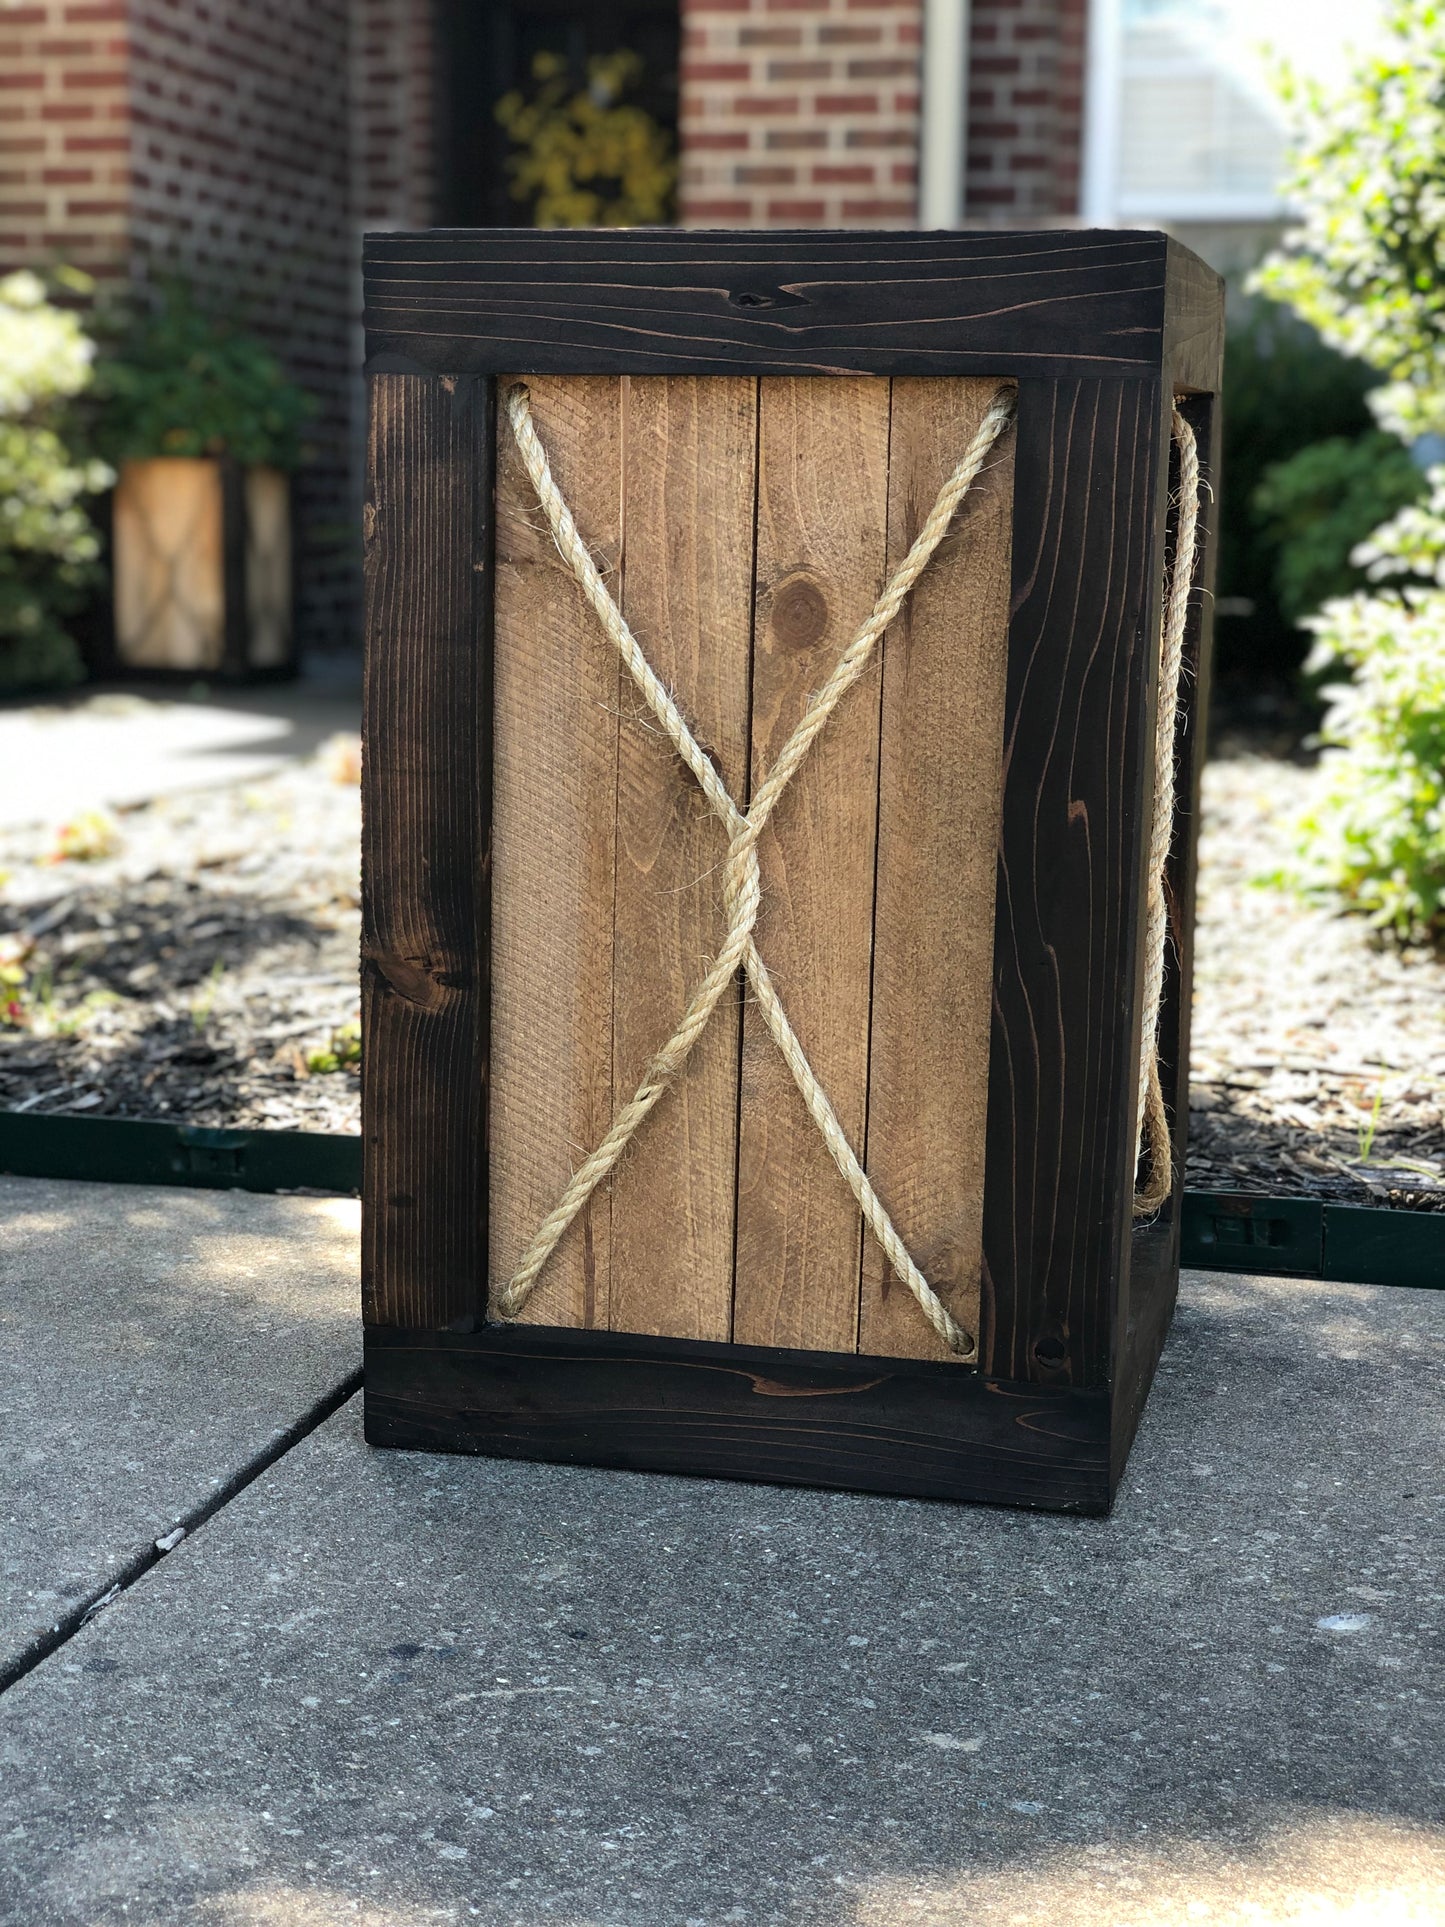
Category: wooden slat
[690,457]
[1089,304]
[424,951]
[822,533]
[1149,1282]
[939,790]
[1060,1153]
[739,1412]
[554,807]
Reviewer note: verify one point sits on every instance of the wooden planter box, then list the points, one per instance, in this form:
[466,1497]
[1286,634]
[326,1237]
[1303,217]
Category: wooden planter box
[750,429]
[202,568]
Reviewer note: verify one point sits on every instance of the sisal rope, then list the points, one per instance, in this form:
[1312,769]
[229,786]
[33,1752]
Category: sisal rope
[741,884]
[1153,1119]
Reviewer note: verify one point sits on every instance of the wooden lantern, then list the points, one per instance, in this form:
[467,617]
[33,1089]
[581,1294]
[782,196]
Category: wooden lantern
[202,568]
[751,431]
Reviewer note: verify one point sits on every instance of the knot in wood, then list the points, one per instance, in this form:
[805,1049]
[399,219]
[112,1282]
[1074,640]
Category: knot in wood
[799,613]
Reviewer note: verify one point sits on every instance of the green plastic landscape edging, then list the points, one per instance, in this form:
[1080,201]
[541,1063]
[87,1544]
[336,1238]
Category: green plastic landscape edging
[1222,1230]
[126,1151]
[1350,1244]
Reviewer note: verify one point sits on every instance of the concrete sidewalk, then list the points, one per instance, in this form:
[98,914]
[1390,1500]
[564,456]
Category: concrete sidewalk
[154,1344]
[108,749]
[391,1689]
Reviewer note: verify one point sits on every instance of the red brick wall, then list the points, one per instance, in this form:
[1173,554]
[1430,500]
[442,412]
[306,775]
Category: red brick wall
[243,147]
[800,113]
[392,99]
[64,134]
[1025,110]
[239,183]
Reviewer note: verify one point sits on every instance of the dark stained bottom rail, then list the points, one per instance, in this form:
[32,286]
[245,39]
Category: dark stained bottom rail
[739,1412]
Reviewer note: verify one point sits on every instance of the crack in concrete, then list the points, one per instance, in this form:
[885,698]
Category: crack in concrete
[39,1649]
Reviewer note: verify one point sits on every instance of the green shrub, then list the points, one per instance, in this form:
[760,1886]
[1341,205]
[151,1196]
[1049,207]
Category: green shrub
[1321,504]
[1376,836]
[1366,264]
[1411,543]
[1283,389]
[588,157]
[48,544]
[177,380]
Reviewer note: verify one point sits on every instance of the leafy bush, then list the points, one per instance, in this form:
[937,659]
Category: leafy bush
[176,380]
[1376,837]
[1412,542]
[1318,507]
[1366,265]
[1283,389]
[48,545]
[588,158]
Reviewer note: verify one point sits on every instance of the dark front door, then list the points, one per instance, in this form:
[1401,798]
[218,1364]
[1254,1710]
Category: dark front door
[486,47]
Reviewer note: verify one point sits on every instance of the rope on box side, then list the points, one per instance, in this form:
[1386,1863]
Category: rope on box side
[1152,1125]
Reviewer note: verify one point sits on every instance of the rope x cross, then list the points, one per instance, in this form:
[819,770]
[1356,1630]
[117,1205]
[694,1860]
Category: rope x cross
[742,892]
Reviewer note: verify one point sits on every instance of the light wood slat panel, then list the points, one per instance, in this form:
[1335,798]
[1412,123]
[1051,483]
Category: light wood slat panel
[690,457]
[822,530]
[940,782]
[554,810]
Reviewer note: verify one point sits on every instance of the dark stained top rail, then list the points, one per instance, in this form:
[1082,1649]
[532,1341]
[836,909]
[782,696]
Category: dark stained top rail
[1083,303]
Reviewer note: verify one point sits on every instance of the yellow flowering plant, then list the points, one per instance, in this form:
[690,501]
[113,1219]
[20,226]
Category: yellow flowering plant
[588,157]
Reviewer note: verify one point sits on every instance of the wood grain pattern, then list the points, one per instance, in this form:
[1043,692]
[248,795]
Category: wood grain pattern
[657,302]
[739,1412]
[690,453]
[554,803]
[1148,1282]
[1067,933]
[822,538]
[427,713]
[940,779]
[1098,329]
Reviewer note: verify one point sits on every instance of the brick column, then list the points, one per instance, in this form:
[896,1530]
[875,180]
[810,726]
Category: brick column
[64,136]
[1025,110]
[799,113]
[393,166]
[240,184]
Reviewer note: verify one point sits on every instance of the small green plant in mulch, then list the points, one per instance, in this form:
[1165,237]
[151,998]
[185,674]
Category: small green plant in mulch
[341,1053]
[1369,1130]
[588,156]
[27,993]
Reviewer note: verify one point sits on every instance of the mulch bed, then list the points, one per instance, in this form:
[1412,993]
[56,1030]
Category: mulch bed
[1318,1054]
[192,974]
[200,971]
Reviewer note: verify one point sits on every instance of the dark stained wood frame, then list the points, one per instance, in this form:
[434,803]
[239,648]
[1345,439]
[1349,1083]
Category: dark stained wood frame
[1101,331]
